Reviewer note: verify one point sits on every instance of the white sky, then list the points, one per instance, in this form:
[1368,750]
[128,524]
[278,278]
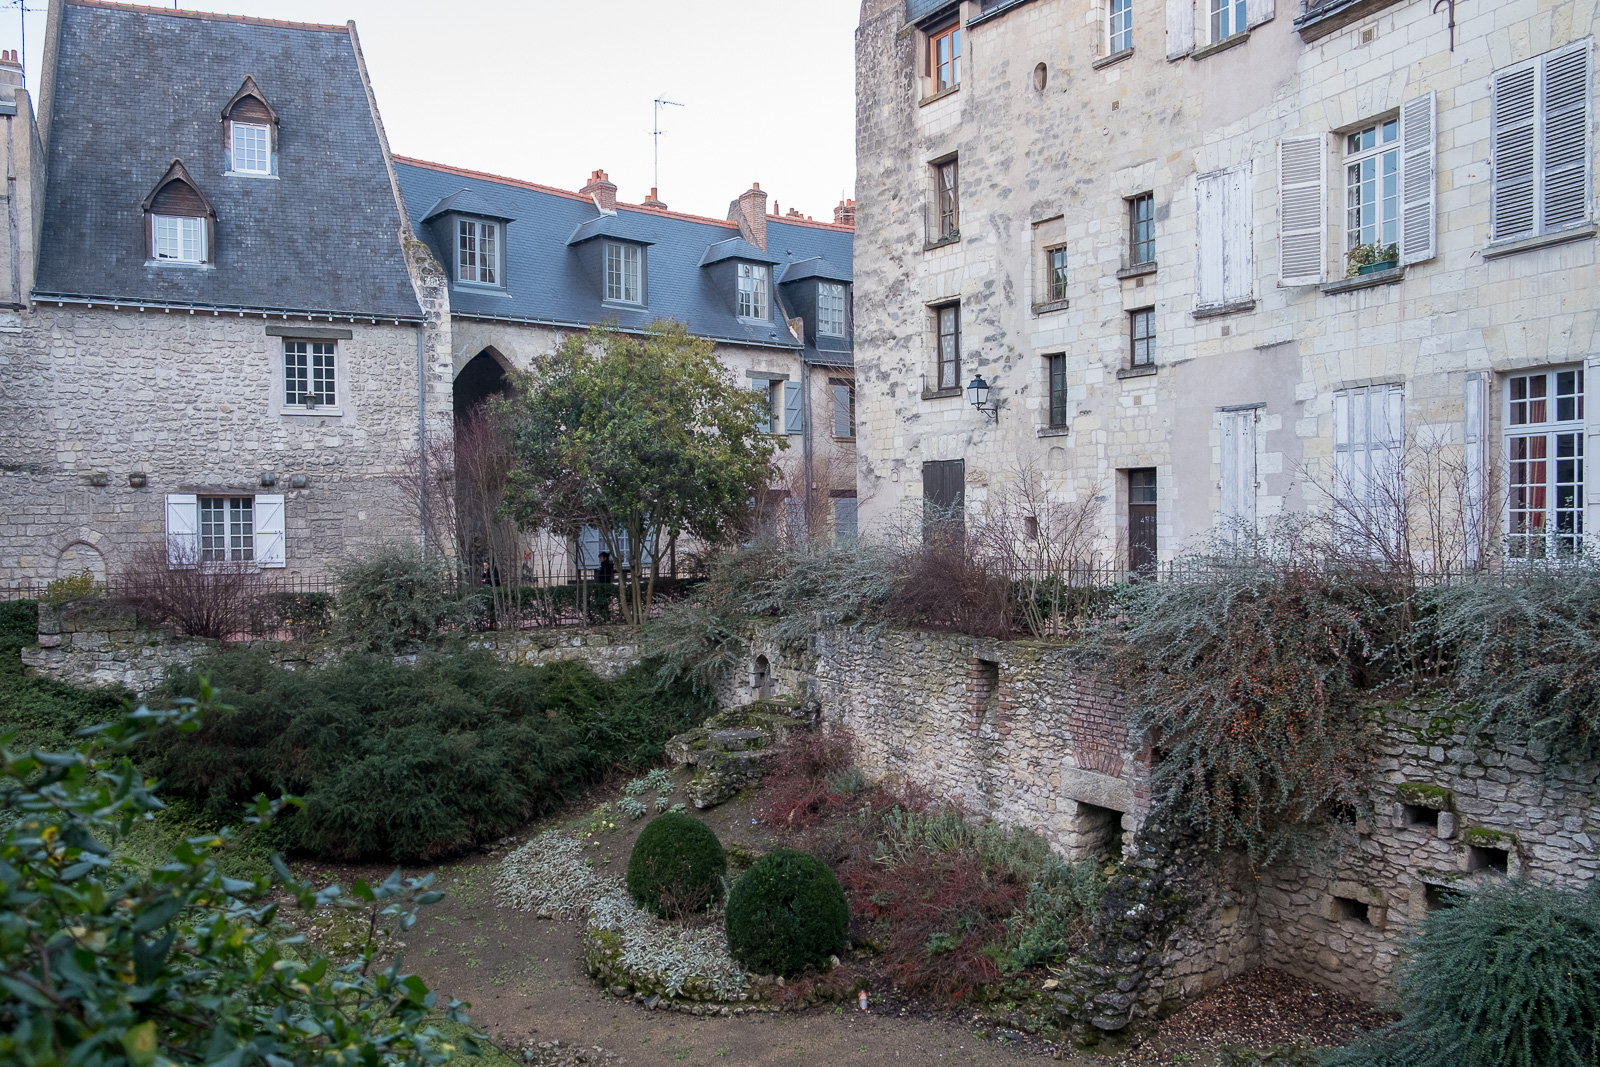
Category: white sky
[548,90]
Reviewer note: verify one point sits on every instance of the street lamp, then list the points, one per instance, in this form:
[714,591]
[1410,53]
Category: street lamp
[978,394]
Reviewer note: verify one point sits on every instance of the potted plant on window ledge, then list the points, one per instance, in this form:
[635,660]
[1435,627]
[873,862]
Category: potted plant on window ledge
[1371,258]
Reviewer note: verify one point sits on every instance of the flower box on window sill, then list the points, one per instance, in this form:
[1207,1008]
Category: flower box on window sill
[1374,268]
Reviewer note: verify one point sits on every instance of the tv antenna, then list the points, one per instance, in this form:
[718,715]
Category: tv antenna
[23,10]
[655,134]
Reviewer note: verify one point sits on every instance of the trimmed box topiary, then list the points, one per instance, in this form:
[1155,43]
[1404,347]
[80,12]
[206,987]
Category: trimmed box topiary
[786,914]
[677,865]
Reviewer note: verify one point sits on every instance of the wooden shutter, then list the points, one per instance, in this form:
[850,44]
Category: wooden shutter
[1260,11]
[1180,28]
[844,423]
[1238,471]
[183,529]
[270,550]
[1238,275]
[1513,193]
[844,519]
[1474,436]
[794,412]
[1417,182]
[1209,197]
[1564,139]
[1302,210]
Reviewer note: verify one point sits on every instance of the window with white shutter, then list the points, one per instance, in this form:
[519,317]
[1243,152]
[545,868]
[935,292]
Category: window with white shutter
[1539,128]
[1225,260]
[1417,182]
[1261,11]
[183,529]
[1368,436]
[1238,472]
[269,539]
[1475,433]
[1180,28]
[1302,214]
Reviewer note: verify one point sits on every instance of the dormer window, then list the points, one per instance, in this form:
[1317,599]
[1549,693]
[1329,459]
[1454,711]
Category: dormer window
[830,309]
[477,252]
[753,279]
[624,272]
[179,220]
[252,133]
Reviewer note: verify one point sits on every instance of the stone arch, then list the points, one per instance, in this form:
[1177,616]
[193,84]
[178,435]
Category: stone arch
[762,681]
[79,555]
[482,376]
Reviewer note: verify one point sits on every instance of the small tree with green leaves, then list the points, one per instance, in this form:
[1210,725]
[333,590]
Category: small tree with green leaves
[642,437]
[107,966]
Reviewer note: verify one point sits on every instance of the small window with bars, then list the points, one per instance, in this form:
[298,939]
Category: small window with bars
[947,199]
[1142,229]
[1055,266]
[947,321]
[308,374]
[478,252]
[1056,367]
[227,529]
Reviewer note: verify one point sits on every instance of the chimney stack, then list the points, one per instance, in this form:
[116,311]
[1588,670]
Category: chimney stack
[10,74]
[601,190]
[654,201]
[750,212]
[845,213]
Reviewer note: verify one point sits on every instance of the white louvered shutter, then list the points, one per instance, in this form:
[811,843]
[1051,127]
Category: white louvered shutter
[1417,182]
[1238,255]
[1302,211]
[1344,440]
[270,548]
[1180,28]
[1210,194]
[1564,139]
[1514,193]
[794,412]
[183,529]
[1238,471]
[1474,436]
[1260,11]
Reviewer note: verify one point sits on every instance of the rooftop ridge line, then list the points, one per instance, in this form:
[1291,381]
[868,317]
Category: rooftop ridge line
[208,16]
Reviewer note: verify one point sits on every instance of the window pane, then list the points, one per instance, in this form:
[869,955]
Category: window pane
[241,528]
[469,251]
[1120,31]
[488,261]
[613,272]
[1058,274]
[1142,233]
[630,274]
[213,529]
[294,372]
[252,148]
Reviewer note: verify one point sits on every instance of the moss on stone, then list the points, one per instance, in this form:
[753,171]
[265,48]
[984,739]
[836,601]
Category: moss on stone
[1425,795]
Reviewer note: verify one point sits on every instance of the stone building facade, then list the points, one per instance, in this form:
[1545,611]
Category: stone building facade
[1135,223]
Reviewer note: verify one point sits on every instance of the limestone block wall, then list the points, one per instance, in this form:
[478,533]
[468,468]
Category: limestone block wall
[193,403]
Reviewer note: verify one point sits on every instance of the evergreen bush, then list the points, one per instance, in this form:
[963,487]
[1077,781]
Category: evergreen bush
[677,866]
[409,762]
[1508,978]
[786,914]
[41,712]
[396,597]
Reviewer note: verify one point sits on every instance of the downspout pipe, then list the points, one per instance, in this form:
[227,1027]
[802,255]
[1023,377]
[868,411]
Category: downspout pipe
[422,443]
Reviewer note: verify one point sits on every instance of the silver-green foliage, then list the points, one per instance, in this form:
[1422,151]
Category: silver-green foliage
[396,597]
[1508,978]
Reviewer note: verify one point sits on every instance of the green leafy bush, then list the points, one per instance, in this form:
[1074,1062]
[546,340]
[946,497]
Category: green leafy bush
[70,587]
[38,711]
[786,914]
[1527,653]
[677,866]
[396,598]
[176,963]
[416,761]
[1508,978]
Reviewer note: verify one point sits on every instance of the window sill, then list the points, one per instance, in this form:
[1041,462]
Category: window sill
[480,288]
[624,305]
[182,264]
[1225,309]
[1143,370]
[940,95]
[1137,270]
[247,174]
[1221,46]
[1054,431]
[940,394]
[1051,305]
[844,440]
[1114,57]
[313,413]
[1544,240]
[953,239]
[1364,281]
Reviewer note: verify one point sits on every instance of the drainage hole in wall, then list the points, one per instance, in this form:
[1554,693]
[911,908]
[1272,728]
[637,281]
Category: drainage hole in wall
[1488,859]
[1346,908]
[1417,815]
[1439,897]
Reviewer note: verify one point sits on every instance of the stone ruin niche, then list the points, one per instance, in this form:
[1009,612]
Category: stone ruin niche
[1426,807]
[1097,833]
[1350,904]
[763,681]
[986,692]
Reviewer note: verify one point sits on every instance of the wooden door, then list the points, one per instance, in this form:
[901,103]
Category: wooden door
[1142,520]
[944,496]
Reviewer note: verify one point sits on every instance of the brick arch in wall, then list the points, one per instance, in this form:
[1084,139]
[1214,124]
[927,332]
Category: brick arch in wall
[479,378]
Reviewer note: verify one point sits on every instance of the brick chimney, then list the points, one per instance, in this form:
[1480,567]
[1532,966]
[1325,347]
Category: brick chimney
[845,213]
[602,190]
[10,74]
[653,201]
[750,212]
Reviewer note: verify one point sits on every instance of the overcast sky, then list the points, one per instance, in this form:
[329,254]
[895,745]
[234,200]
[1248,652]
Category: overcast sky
[547,91]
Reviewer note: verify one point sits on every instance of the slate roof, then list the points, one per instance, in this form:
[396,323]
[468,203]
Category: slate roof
[135,88]
[549,279]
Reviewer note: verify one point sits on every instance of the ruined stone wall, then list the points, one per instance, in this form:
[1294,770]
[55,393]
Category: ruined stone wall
[194,403]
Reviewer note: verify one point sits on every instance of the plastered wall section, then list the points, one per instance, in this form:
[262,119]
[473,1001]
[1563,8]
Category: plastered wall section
[195,402]
[1054,164]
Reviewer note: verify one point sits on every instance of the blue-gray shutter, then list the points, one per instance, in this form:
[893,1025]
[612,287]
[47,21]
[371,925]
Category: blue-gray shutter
[844,519]
[843,424]
[763,389]
[794,415]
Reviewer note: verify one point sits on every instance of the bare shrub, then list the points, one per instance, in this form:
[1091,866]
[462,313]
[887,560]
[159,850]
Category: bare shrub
[944,586]
[199,598]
